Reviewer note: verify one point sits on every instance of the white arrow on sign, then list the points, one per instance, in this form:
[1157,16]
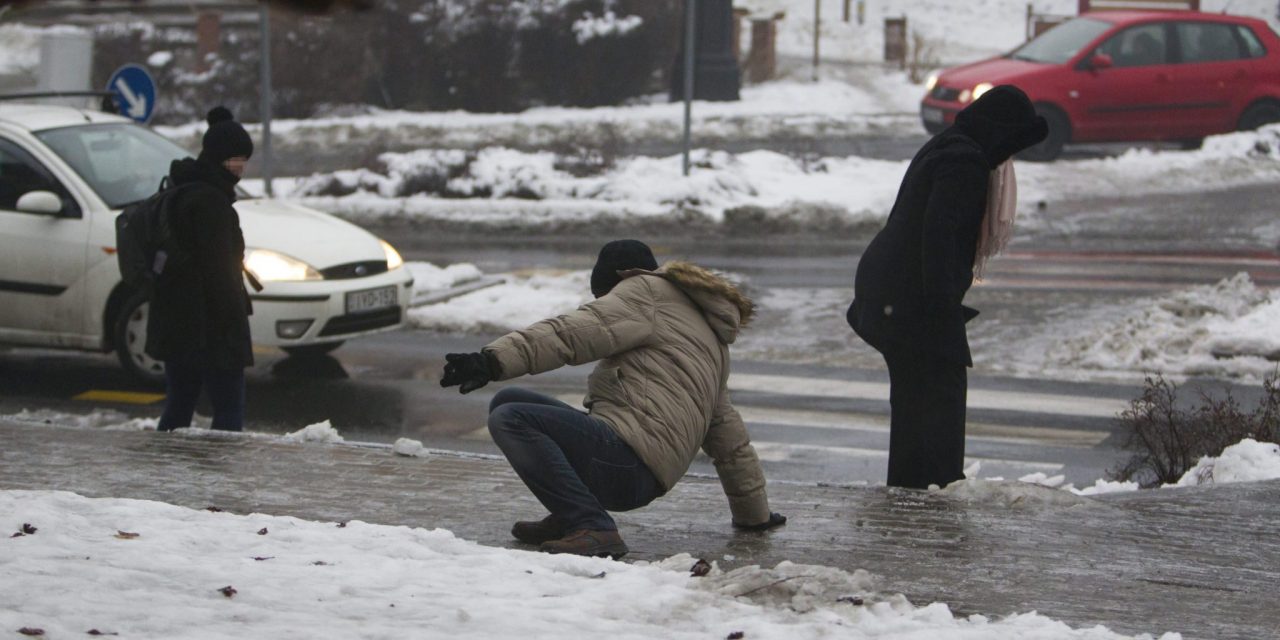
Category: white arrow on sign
[137,103]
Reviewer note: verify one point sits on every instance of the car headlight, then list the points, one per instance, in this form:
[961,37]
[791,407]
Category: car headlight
[931,82]
[394,261]
[980,89]
[270,266]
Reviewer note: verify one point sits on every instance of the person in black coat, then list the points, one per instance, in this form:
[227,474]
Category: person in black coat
[913,276]
[199,320]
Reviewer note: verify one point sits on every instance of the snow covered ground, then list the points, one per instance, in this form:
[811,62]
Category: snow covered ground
[505,187]
[147,569]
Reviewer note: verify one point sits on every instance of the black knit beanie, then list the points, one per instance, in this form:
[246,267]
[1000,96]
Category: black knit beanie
[619,255]
[225,138]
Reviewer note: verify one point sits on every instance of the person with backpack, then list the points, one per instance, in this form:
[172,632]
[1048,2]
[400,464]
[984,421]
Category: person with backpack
[199,320]
[658,395]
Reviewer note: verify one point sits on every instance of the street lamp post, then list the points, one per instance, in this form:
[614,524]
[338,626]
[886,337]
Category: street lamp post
[690,10]
[265,90]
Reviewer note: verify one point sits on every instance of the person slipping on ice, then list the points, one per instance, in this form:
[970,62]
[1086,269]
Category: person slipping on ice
[658,394]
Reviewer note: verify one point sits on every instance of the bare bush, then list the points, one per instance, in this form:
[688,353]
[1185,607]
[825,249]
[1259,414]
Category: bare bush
[1166,439]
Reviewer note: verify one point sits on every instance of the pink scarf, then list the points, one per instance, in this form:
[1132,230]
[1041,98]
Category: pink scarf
[997,222]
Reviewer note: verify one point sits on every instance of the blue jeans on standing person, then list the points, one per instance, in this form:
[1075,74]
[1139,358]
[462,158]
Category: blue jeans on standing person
[573,462]
[225,388]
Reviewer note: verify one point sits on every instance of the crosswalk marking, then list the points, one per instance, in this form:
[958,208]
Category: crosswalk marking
[879,424]
[1045,403]
[769,451]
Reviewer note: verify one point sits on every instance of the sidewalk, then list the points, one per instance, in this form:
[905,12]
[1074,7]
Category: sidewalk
[1200,561]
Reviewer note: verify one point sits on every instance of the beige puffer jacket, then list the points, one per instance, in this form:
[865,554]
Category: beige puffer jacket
[662,341]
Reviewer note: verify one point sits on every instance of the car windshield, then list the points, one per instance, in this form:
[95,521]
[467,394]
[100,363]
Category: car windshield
[123,162]
[1062,42]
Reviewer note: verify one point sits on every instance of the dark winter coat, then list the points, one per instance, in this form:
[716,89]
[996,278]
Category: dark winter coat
[200,309]
[912,278]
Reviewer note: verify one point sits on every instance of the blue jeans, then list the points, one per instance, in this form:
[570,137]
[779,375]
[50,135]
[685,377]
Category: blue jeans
[183,382]
[573,463]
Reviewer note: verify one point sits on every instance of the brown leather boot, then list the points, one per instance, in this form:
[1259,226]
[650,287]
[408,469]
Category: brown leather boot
[538,531]
[585,542]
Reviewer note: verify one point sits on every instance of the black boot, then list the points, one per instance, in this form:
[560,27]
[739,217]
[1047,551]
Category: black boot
[538,531]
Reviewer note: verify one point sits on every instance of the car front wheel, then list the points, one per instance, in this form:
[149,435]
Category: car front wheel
[1259,114]
[131,341]
[1059,132]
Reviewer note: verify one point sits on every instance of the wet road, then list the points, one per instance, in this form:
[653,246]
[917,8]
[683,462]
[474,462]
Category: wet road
[814,396]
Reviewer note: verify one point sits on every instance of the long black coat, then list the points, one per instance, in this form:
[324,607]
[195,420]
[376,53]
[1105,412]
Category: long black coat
[200,309]
[913,277]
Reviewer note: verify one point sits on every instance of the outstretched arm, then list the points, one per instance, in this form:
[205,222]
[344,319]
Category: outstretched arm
[618,322]
[738,467]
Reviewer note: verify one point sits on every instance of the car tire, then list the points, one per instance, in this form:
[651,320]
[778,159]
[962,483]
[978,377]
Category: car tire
[1259,114]
[130,339]
[1059,133]
[311,350]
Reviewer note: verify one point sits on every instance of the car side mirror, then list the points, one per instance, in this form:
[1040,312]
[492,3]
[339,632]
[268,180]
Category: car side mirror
[42,202]
[1101,61]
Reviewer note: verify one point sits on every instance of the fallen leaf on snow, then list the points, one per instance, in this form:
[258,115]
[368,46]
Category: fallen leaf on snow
[95,632]
[700,568]
[126,535]
[261,558]
[31,631]
[213,509]
[854,600]
[28,529]
[342,525]
[228,591]
[262,531]
[737,635]
[320,563]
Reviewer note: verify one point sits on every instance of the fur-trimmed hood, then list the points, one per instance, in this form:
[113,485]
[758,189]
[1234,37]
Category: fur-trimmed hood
[726,308]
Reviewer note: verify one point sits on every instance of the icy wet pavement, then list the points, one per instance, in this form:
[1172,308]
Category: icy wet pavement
[1200,561]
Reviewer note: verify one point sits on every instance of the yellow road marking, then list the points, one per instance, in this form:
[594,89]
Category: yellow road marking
[124,397]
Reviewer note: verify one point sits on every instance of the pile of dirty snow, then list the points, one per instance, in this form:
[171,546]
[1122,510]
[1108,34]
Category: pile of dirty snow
[1224,329]
[521,301]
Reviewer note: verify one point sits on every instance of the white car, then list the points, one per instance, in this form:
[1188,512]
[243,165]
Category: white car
[65,174]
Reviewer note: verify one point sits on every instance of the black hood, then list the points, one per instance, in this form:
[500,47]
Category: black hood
[1003,122]
[188,170]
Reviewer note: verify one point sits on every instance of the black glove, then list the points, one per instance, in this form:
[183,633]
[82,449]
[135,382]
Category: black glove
[467,371]
[775,520]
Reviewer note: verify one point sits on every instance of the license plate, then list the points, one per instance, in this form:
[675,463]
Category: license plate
[930,114]
[371,299]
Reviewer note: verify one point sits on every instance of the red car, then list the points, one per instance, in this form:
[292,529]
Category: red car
[1120,76]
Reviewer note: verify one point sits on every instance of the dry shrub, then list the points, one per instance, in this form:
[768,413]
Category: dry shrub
[1166,438]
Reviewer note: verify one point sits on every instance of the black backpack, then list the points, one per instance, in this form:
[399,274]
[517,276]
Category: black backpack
[144,238]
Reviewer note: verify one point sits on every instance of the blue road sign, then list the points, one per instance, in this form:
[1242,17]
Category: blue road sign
[135,92]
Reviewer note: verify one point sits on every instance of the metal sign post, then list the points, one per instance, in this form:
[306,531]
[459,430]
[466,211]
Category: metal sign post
[817,32]
[690,8]
[265,91]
